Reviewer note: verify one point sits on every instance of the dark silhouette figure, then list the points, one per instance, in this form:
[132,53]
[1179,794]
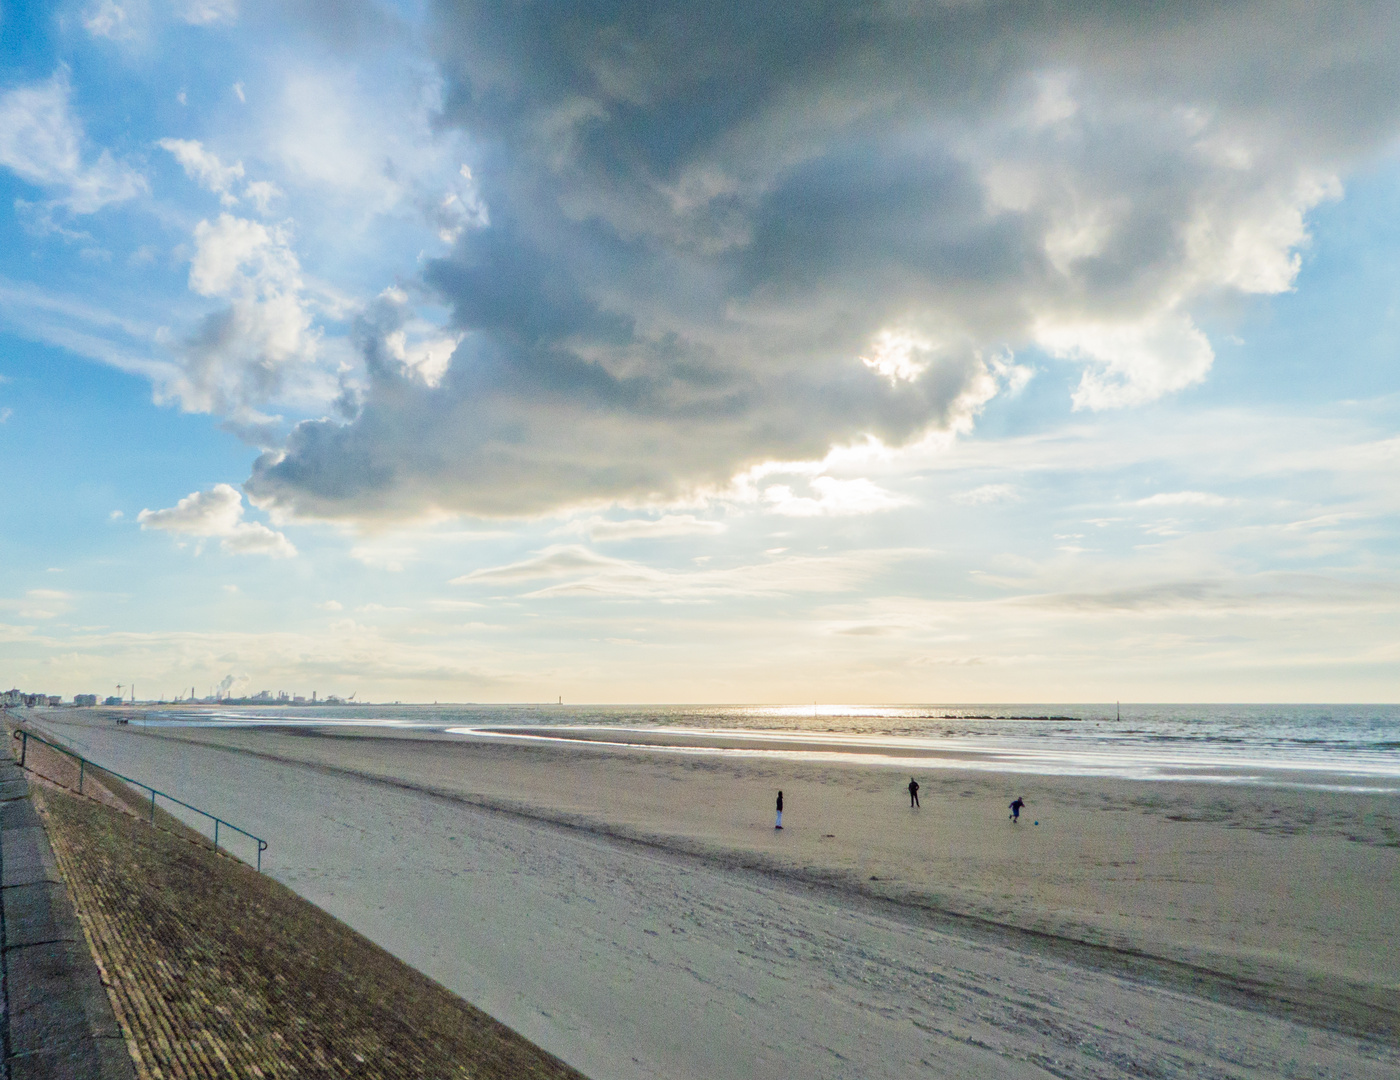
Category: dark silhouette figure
[1016,809]
[779,825]
[913,792]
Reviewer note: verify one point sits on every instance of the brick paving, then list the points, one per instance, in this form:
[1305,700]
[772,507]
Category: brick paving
[217,971]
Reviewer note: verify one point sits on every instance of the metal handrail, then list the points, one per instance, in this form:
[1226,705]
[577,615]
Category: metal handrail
[24,737]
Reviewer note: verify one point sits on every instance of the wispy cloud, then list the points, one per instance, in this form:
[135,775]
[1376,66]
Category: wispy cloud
[832,497]
[665,527]
[39,604]
[988,493]
[1186,498]
[43,143]
[205,168]
[600,576]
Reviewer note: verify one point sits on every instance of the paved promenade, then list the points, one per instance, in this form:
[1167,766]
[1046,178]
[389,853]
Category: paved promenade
[58,1021]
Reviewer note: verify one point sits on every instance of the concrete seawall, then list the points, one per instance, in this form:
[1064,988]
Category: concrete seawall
[57,1018]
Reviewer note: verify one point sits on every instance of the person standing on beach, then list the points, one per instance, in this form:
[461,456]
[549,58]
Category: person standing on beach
[913,793]
[779,825]
[1016,809]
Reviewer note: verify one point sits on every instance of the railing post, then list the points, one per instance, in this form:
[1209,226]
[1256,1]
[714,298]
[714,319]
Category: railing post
[262,846]
[153,806]
[23,747]
[216,834]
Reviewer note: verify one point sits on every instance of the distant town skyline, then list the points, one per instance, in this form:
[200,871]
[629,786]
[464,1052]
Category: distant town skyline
[453,351]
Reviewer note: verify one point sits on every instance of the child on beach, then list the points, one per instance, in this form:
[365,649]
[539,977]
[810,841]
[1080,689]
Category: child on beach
[779,825]
[1016,809]
[913,793]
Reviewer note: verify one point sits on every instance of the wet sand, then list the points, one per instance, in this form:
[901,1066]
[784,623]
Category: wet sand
[1275,904]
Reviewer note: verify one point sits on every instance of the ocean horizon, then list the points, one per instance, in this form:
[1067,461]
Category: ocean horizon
[1339,747]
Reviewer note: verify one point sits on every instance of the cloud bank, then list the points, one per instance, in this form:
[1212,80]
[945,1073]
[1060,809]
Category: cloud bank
[716,236]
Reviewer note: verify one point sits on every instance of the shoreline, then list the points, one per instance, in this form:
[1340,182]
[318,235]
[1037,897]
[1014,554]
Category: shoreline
[1029,746]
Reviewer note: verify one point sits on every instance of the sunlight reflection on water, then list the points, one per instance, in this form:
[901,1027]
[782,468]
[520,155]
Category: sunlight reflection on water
[1355,748]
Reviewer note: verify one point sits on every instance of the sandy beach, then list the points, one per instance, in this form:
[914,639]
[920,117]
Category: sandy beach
[1192,927]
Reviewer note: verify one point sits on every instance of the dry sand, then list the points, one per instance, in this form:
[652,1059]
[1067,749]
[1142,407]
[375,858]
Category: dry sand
[667,929]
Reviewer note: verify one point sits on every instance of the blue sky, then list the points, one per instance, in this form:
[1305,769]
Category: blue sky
[434,352]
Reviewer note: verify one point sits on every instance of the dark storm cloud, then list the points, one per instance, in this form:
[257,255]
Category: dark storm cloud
[703,217]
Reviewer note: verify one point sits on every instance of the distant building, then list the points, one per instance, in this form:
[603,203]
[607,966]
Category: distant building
[15,698]
[298,700]
[113,700]
[55,699]
[84,699]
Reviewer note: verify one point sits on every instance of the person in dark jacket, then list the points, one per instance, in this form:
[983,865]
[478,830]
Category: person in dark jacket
[1016,809]
[913,793]
[779,825]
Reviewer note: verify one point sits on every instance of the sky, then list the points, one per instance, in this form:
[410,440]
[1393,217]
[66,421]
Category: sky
[909,352]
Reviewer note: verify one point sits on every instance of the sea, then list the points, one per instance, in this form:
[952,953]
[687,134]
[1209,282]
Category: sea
[1331,747]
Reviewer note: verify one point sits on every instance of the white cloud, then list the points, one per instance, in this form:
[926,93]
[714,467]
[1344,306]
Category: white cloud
[1185,498]
[988,493]
[383,556]
[453,605]
[833,498]
[218,513]
[667,526]
[899,355]
[205,168]
[1130,363]
[207,12]
[39,604]
[589,574]
[262,192]
[109,19]
[87,330]
[234,254]
[427,353]
[555,561]
[42,143]
[331,605]
[247,352]
[6,413]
